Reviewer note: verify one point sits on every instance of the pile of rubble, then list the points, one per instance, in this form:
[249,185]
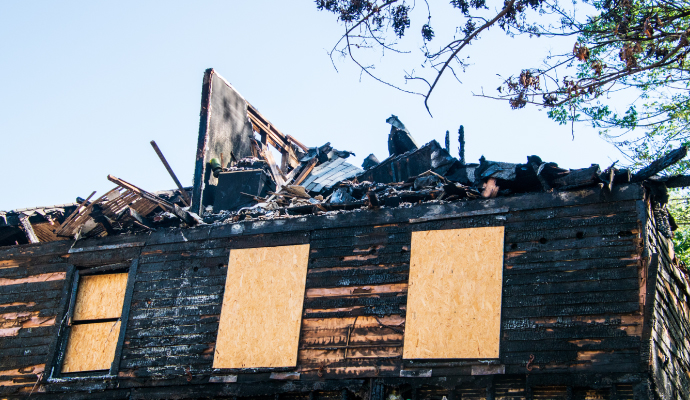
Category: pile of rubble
[313,180]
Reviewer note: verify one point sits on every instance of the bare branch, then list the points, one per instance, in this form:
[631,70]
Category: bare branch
[507,6]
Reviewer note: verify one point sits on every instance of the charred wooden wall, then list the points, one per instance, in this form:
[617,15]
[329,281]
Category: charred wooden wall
[574,294]
[669,314]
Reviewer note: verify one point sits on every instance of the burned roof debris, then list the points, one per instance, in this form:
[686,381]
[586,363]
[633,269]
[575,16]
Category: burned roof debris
[237,178]
[400,140]
[535,281]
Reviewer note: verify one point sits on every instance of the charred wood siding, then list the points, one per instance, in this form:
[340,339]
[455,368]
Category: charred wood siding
[34,291]
[570,295]
[669,353]
[32,278]
[571,304]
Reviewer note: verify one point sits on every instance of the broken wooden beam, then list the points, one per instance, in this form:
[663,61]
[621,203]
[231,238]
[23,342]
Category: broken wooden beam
[295,190]
[271,135]
[256,116]
[306,171]
[275,171]
[660,164]
[185,197]
[186,216]
[290,177]
[297,143]
[609,176]
[25,225]
[538,168]
[76,212]
[141,192]
[189,218]
[70,226]
[131,215]
[578,178]
[676,181]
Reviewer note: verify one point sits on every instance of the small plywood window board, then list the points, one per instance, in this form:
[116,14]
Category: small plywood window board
[91,347]
[95,323]
[262,308]
[100,297]
[454,294]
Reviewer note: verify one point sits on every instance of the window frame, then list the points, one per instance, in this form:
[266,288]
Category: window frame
[65,314]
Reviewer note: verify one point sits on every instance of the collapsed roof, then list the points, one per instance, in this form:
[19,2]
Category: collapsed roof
[236,178]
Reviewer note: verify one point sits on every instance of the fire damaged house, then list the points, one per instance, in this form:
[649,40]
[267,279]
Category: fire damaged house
[287,272]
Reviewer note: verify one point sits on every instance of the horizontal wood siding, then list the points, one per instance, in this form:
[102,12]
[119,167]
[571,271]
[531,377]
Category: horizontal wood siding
[570,295]
[32,278]
[571,308]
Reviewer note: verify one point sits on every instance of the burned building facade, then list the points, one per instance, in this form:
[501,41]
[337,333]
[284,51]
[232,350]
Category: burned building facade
[421,277]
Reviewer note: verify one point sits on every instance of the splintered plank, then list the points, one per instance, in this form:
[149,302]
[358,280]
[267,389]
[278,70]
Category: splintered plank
[322,356]
[357,290]
[15,329]
[100,297]
[353,337]
[264,292]
[54,276]
[11,263]
[27,371]
[334,323]
[91,347]
[454,295]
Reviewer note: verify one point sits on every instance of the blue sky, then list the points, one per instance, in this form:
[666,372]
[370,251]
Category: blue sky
[84,87]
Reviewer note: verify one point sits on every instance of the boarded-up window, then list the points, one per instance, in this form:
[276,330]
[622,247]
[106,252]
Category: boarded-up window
[262,308]
[454,294]
[95,325]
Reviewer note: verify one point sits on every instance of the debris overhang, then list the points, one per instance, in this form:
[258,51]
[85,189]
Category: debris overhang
[237,178]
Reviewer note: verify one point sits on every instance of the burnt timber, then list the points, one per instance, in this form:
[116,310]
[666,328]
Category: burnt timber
[593,306]
[590,301]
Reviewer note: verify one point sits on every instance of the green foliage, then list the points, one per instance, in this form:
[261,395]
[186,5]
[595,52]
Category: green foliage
[626,74]
[679,207]
[632,51]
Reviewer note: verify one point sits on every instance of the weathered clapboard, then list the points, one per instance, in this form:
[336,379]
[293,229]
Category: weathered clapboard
[592,306]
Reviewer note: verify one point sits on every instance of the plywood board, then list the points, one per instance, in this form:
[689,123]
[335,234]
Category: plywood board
[262,307]
[91,347]
[454,294]
[100,297]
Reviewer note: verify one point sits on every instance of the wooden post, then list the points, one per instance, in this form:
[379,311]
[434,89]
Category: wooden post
[185,196]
